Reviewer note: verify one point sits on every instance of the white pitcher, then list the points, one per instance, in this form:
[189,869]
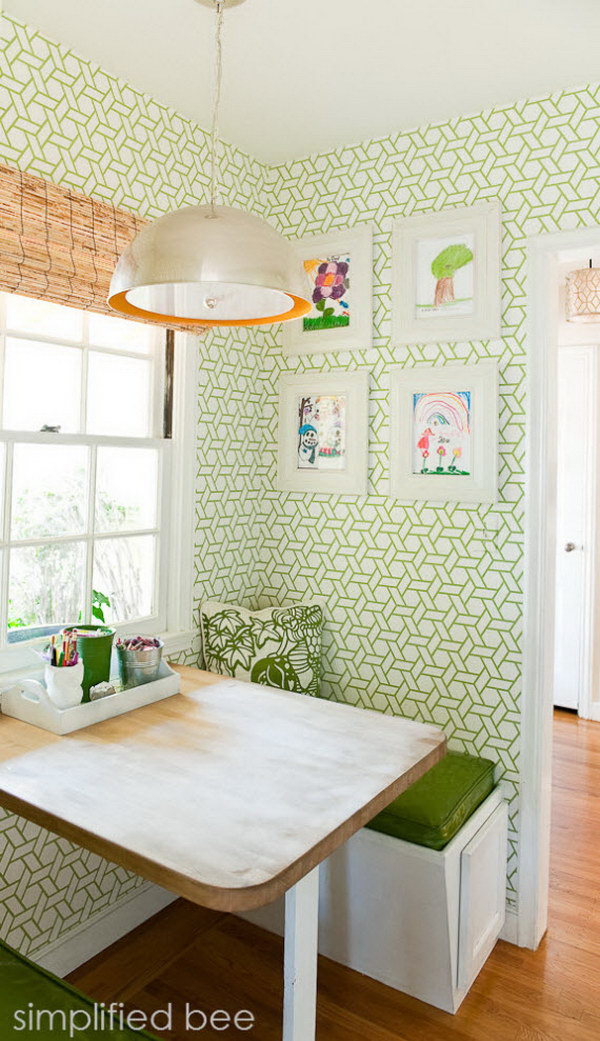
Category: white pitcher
[63,685]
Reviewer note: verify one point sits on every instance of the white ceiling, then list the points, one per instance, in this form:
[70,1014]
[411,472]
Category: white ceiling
[305,75]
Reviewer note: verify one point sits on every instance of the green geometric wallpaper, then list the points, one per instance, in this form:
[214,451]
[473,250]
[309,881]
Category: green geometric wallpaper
[422,615]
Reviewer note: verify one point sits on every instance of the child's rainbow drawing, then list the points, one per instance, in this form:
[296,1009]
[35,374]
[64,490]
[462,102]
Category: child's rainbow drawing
[441,433]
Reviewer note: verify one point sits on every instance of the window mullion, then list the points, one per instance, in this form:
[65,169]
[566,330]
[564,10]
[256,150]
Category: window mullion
[57,341]
[91,527]
[158,383]
[6,521]
[85,353]
[163,543]
[108,440]
[2,353]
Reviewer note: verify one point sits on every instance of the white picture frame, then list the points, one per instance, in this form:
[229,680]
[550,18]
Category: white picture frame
[296,460]
[428,410]
[356,244]
[464,305]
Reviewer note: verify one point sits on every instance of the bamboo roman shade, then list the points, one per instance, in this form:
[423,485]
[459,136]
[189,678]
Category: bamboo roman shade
[57,244]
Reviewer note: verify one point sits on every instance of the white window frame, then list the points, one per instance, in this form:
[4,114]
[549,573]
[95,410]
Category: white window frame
[172,619]
[181,628]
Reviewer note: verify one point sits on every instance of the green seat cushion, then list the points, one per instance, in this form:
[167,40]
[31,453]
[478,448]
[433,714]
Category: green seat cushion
[278,647]
[24,986]
[435,807]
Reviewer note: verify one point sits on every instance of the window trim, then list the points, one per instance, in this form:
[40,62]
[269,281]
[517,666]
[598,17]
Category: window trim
[182,630]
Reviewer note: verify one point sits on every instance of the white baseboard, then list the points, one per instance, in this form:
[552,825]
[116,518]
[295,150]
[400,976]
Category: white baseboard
[88,939]
[510,932]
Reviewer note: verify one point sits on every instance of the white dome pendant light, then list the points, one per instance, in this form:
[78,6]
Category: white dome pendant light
[210,265]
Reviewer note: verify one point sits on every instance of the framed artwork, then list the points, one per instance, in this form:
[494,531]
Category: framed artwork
[324,433]
[444,433]
[446,276]
[338,268]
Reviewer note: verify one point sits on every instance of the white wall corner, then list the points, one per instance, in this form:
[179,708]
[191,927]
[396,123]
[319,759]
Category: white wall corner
[83,942]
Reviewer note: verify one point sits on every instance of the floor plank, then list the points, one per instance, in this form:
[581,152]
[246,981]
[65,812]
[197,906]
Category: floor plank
[186,954]
[118,973]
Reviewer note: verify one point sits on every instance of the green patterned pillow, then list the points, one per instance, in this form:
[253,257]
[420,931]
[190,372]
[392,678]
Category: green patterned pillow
[278,647]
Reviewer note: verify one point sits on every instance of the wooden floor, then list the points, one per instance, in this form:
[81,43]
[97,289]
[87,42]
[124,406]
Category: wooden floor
[187,954]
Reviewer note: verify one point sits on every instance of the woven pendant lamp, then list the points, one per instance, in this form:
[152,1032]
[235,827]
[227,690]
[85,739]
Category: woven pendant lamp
[210,265]
[583,295]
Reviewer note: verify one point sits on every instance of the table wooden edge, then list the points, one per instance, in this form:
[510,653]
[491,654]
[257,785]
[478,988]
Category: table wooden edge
[244,898]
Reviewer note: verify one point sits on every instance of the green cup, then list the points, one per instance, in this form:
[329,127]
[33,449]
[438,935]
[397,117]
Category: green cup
[94,652]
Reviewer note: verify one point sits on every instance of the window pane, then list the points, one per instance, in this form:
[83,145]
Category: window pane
[25,315]
[119,396]
[126,488]
[120,335]
[41,386]
[46,585]
[49,490]
[124,571]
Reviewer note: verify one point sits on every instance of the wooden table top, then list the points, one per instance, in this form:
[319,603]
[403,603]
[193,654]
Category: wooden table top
[227,794]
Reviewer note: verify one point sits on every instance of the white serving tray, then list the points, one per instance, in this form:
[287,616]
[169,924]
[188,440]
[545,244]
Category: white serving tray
[41,712]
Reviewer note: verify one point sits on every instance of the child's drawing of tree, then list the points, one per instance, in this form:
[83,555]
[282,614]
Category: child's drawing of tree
[444,268]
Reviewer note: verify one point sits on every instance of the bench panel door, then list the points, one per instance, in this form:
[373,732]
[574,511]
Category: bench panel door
[482,895]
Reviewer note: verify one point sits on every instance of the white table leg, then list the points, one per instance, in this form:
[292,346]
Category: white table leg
[300,959]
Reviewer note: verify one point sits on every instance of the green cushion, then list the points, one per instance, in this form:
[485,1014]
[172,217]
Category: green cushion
[278,647]
[22,983]
[435,807]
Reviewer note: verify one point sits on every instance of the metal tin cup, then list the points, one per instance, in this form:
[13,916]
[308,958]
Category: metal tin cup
[139,667]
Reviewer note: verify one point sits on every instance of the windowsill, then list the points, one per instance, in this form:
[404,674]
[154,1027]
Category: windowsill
[177,642]
[174,643]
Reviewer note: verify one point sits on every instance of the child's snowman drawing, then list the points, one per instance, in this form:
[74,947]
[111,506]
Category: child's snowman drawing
[308,446]
[322,432]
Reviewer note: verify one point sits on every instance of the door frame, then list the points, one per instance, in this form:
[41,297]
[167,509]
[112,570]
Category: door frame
[539,576]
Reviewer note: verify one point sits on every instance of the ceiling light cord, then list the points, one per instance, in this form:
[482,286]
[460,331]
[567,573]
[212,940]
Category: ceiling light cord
[214,133]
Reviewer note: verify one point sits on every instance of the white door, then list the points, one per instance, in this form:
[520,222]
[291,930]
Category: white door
[576,407]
